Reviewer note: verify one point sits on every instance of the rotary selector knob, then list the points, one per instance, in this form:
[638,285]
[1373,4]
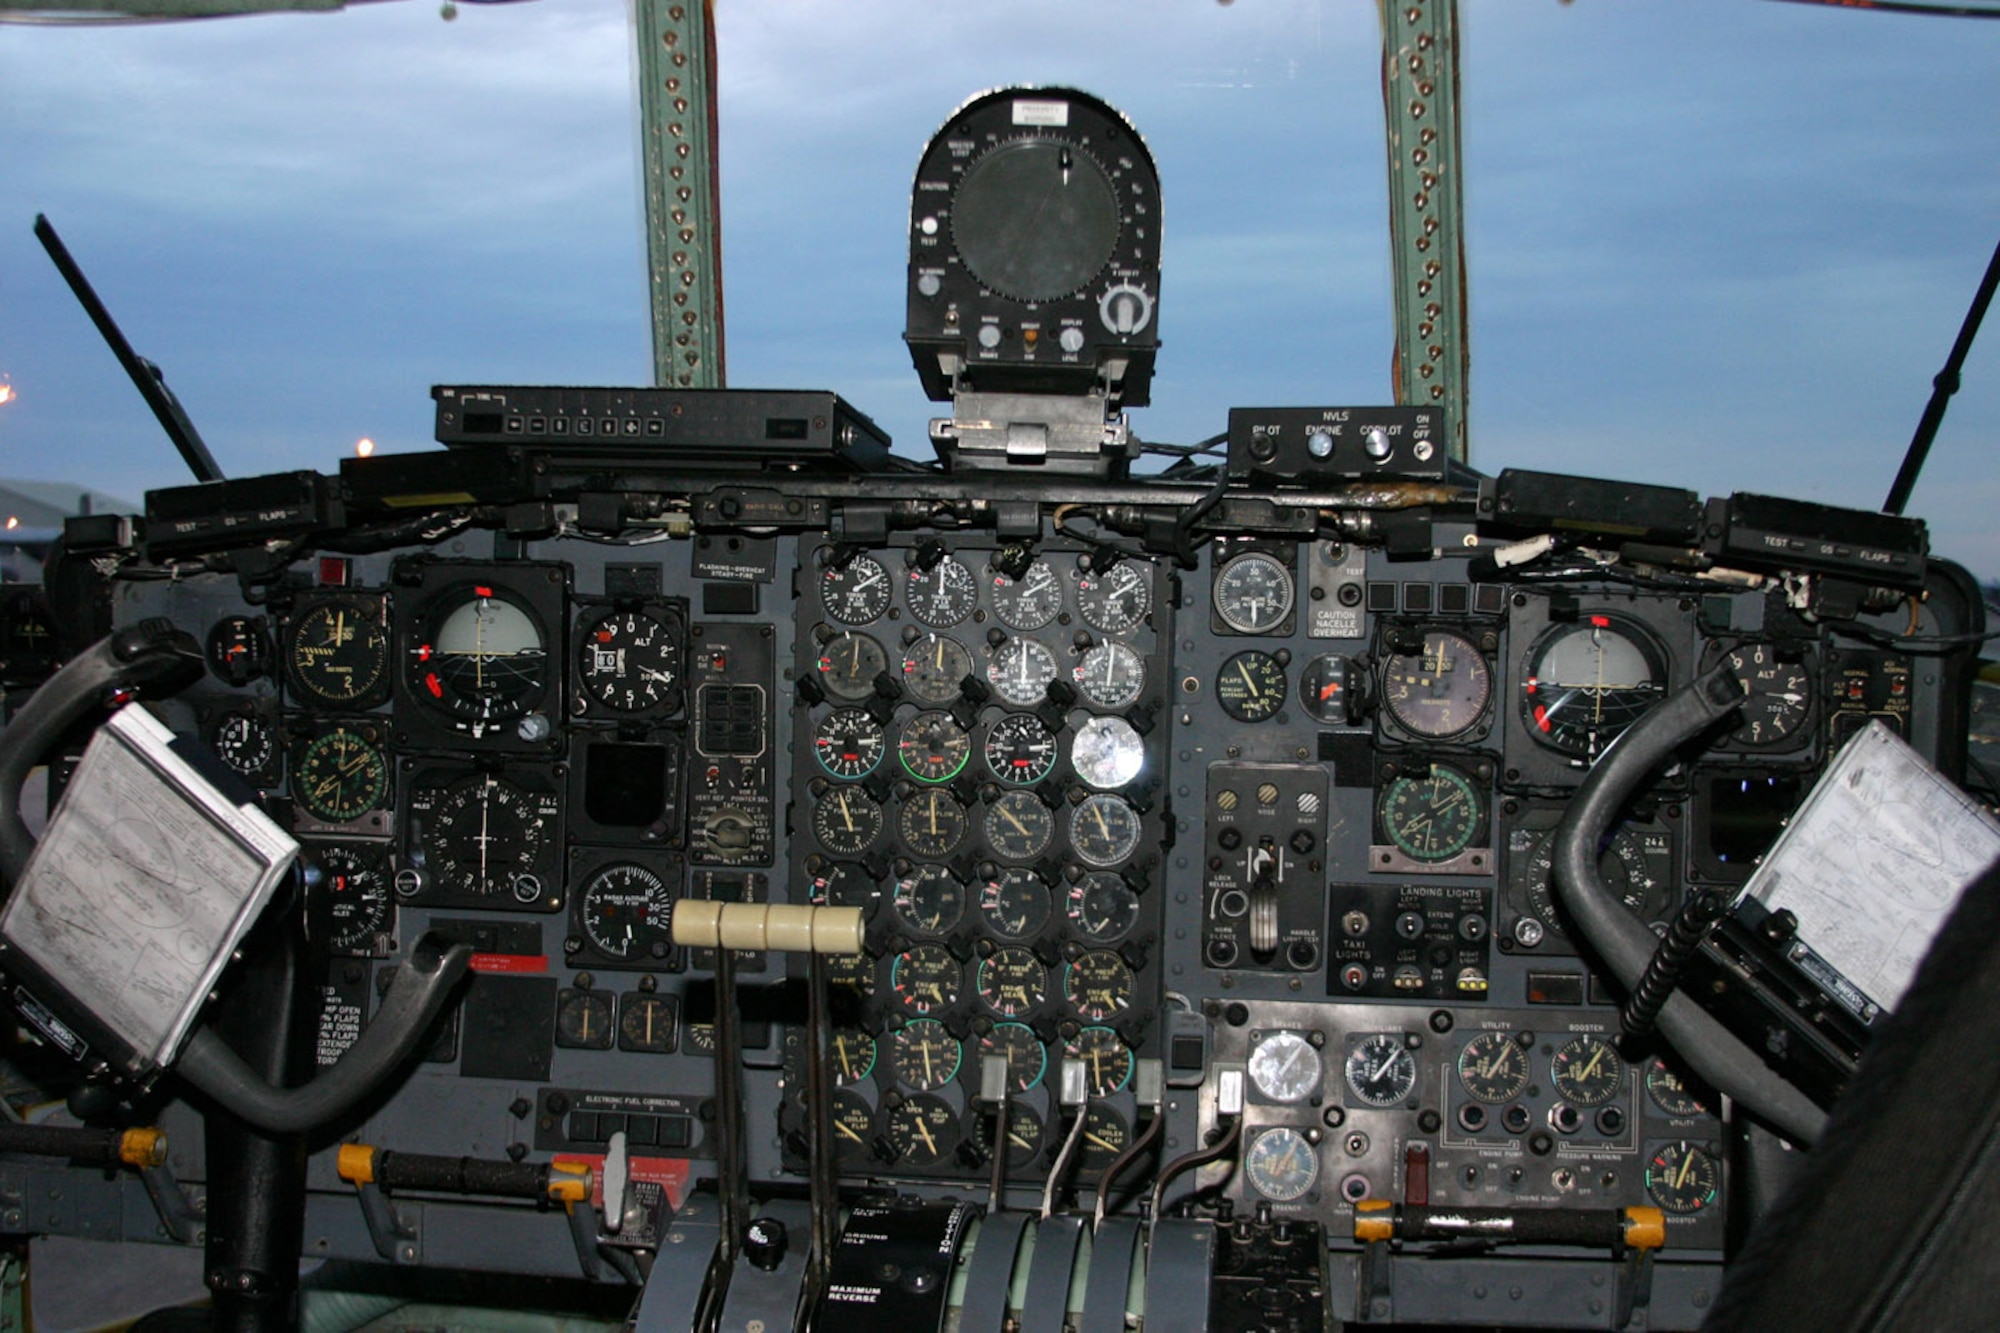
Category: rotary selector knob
[1125,309]
[765,1242]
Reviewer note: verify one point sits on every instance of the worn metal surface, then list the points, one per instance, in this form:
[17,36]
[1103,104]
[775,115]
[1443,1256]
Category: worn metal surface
[683,213]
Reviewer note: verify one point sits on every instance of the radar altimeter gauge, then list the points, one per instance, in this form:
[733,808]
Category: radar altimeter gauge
[1034,249]
[627,910]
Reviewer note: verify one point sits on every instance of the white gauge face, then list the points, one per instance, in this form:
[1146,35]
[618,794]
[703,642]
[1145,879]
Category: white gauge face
[1107,752]
[1020,672]
[1029,602]
[1115,601]
[1253,593]
[1282,1164]
[942,595]
[1286,1067]
[1111,675]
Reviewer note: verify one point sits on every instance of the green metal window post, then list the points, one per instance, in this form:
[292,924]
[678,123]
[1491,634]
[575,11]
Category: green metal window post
[683,200]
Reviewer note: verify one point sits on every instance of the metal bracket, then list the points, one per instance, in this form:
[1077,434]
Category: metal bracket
[1374,1293]
[181,1216]
[1426,207]
[1635,1287]
[395,1238]
[1070,434]
[583,1232]
[683,209]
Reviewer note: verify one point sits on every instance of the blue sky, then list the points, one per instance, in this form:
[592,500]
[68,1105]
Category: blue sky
[1720,244]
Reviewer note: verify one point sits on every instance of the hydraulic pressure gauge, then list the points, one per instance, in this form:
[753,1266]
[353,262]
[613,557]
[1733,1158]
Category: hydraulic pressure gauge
[1493,1068]
[1584,682]
[856,592]
[1672,1093]
[1253,593]
[1029,602]
[1111,675]
[924,1055]
[627,913]
[1107,1061]
[1018,827]
[848,742]
[1441,689]
[930,900]
[934,666]
[847,821]
[1251,686]
[942,595]
[1015,903]
[481,658]
[629,661]
[1103,830]
[932,823]
[1020,672]
[1682,1178]
[1285,1067]
[1020,751]
[337,653]
[1282,1164]
[1012,981]
[1587,1071]
[1381,1071]
[340,775]
[848,665]
[1117,600]
[1027,1059]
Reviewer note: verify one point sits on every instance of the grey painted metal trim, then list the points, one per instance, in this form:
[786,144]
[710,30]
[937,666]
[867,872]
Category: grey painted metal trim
[1177,1276]
[990,1274]
[1110,1276]
[1049,1272]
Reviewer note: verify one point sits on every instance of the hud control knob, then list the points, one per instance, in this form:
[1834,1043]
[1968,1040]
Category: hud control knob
[1376,443]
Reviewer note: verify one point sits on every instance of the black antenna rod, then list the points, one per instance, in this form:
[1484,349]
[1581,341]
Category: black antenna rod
[146,377]
[1942,388]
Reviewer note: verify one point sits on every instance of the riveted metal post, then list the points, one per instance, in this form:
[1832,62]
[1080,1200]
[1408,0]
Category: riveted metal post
[1426,206]
[683,202]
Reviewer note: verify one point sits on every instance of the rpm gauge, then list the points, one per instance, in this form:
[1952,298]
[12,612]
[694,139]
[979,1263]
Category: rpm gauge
[1020,750]
[1020,672]
[482,658]
[1440,690]
[1584,683]
[1111,675]
[933,747]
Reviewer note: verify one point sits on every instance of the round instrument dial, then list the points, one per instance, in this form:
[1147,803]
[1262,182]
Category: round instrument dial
[856,592]
[851,1052]
[239,650]
[1102,907]
[1493,1068]
[1098,985]
[847,821]
[1281,1164]
[932,824]
[1020,672]
[1778,694]
[933,747]
[1027,1059]
[848,742]
[852,972]
[922,1130]
[1432,815]
[924,979]
[1636,866]
[1683,1178]
[933,667]
[853,1128]
[352,901]
[1107,752]
[1440,690]
[483,658]
[483,835]
[929,900]
[1381,1071]
[628,661]
[1111,675]
[1585,682]
[338,654]
[1117,600]
[1018,827]
[1251,686]
[942,595]
[645,1023]
[1104,830]
[1108,1062]
[1074,209]
[1012,981]
[1029,602]
[1106,1136]
[848,665]
[845,884]
[584,1020]
[924,1055]
[1015,904]
[340,775]
[627,912]
[1672,1093]
[1286,1067]
[1587,1071]
[1024,1133]
[244,741]
[1020,751]
[1253,593]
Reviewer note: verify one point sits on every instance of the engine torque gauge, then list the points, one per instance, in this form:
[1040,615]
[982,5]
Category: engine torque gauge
[1253,593]
[1115,601]
[924,1055]
[1587,1071]
[856,592]
[1103,830]
[1029,602]
[337,653]
[1440,690]
[1493,1068]
[482,658]
[847,821]
[942,595]
[1012,981]
[848,742]
[1251,686]
[1027,1059]
[1381,1071]
[934,665]
[1108,1062]
[1111,675]
[848,665]
[1432,815]
[1584,683]
[628,661]
[340,775]
[1285,1067]
[1020,751]
[1020,672]
[626,911]
[1281,1164]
